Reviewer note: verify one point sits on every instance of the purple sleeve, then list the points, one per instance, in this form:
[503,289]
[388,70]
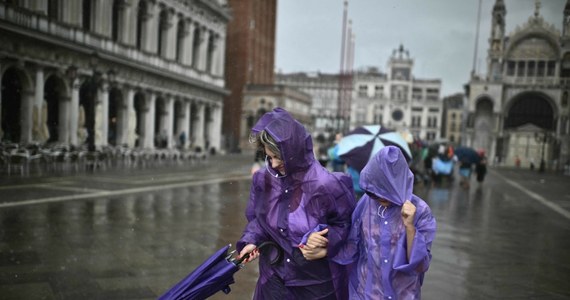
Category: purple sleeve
[349,251]
[339,217]
[420,257]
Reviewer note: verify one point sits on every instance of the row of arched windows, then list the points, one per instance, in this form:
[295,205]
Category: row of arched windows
[148,37]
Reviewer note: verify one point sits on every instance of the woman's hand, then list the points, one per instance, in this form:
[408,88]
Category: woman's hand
[311,253]
[252,250]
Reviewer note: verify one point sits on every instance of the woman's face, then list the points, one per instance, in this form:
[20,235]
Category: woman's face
[275,161]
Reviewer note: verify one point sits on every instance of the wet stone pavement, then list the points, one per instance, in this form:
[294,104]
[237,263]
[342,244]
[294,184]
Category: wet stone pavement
[132,234]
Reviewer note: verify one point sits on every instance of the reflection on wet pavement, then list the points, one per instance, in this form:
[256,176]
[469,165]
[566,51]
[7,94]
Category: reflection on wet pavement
[493,241]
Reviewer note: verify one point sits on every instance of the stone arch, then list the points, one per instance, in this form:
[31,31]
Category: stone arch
[55,95]
[519,40]
[15,83]
[531,108]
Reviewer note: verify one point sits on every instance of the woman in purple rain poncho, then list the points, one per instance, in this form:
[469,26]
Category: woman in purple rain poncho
[391,234]
[288,198]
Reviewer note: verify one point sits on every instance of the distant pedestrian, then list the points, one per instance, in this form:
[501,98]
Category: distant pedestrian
[465,173]
[481,168]
[182,139]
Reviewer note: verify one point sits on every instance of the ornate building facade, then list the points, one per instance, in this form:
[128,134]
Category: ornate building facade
[324,93]
[113,72]
[520,109]
[259,99]
[397,99]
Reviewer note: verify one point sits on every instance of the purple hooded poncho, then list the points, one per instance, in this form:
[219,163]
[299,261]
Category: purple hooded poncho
[283,209]
[377,240]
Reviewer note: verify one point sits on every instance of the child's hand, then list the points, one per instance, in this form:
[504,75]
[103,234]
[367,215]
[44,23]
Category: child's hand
[318,239]
[408,213]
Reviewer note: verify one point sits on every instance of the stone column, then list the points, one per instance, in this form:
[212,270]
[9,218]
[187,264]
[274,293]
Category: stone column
[148,140]
[215,57]
[188,43]
[170,36]
[102,117]
[123,117]
[39,122]
[74,113]
[199,127]
[215,135]
[204,38]
[221,54]
[150,31]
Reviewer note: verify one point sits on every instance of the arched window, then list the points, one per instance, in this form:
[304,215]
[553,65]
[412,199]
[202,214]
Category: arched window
[196,47]
[180,40]
[162,28]
[86,15]
[53,10]
[115,21]
[141,16]
[210,54]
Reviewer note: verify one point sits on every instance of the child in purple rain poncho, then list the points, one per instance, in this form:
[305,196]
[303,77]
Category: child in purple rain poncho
[289,197]
[391,234]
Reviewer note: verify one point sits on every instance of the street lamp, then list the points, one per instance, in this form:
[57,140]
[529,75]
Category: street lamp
[544,137]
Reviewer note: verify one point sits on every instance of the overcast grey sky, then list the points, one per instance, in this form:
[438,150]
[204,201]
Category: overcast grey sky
[439,34]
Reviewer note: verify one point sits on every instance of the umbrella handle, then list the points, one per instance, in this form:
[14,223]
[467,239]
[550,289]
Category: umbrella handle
[261,247]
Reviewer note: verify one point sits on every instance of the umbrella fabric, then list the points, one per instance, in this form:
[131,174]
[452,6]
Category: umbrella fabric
[213,275]
[216,274]
[467,155]
[360,145]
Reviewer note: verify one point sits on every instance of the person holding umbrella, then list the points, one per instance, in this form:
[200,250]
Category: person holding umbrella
[289,197]
[391,234]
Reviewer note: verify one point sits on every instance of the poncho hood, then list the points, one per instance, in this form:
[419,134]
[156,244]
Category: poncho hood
[292,138]
[388,176]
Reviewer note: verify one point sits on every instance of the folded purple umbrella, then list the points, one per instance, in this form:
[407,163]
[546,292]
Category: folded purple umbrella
[213,275]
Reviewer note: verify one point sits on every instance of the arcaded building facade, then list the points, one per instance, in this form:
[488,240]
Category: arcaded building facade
[137,73]
[520,109]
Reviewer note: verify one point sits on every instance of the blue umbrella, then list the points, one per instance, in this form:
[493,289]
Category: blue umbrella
[467,155]
[213,275]
[359,145]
